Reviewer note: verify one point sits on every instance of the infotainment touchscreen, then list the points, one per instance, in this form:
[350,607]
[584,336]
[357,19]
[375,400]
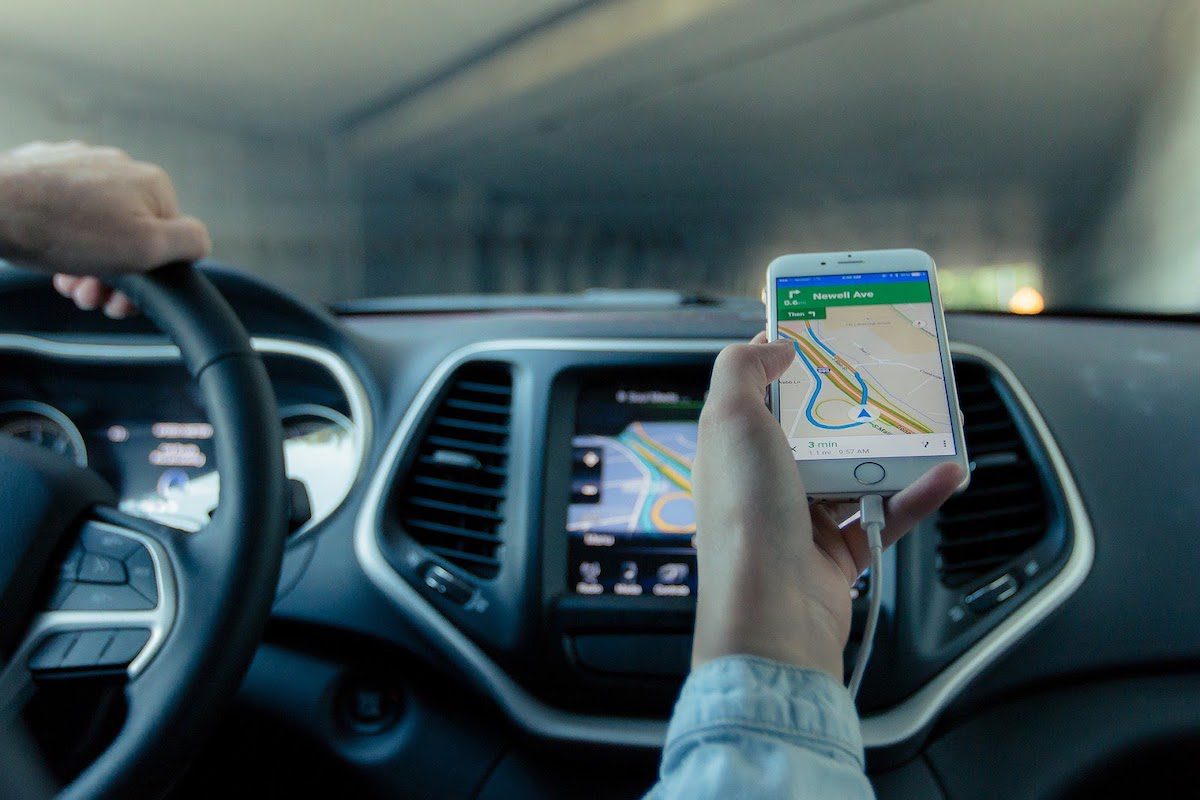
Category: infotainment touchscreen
[631,519]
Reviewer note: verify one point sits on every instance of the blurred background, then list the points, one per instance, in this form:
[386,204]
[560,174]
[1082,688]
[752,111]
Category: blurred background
[1039,151]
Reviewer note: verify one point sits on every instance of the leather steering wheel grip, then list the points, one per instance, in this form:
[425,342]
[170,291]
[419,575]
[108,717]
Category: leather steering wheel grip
[227,572]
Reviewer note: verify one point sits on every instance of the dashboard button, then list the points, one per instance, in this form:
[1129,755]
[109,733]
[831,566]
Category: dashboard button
[447,584]
[141,574]
[100,569]
[98,597]
[673,573]
[869,473]
[988,597]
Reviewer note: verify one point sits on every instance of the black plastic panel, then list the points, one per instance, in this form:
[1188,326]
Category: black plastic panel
[1133,737]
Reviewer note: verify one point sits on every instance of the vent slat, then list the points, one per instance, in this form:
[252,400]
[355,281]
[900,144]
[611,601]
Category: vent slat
[977,513]
[1021,487]
[970,541]
[452,500]
[1004,512]
[965,570]
[470,425]
[452,530]
[473,405]
[987,427]
[458,486]
[463,444]
[461,555]
[454,508]
[503,389]
[497,471]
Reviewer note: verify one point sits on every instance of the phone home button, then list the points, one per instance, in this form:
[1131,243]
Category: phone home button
[869,473]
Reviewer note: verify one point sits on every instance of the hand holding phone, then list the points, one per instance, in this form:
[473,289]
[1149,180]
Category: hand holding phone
[869,405]
[776,570]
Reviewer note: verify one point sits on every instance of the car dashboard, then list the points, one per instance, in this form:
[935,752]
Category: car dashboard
[146,433]
[495,526]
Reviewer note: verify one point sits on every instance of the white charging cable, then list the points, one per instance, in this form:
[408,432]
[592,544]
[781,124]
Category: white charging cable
[871,519]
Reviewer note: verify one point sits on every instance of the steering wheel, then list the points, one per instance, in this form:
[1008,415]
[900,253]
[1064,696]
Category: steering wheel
[176,616]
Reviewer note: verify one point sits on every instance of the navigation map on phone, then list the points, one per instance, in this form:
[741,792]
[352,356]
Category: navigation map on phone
[867,380]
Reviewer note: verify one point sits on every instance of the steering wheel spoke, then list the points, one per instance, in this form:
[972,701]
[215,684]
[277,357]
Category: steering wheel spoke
[112,606]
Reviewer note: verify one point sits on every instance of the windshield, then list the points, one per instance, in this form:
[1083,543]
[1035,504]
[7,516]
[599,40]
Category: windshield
[1047,155]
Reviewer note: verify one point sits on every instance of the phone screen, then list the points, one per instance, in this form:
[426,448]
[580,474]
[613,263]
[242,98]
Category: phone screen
[867,380]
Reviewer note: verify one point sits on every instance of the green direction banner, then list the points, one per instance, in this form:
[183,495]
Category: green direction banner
[810,302]
[787,314]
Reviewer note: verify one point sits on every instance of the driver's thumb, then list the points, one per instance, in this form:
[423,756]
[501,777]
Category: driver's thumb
[743,371]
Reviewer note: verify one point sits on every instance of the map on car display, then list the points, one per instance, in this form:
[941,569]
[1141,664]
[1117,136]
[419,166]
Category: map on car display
[867,379]
[645,485]
[631,520]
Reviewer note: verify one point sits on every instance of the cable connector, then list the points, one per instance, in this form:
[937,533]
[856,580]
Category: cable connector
[871,519]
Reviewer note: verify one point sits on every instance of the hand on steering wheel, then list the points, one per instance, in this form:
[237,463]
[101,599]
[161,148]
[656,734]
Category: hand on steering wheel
[181,613]
[74,209]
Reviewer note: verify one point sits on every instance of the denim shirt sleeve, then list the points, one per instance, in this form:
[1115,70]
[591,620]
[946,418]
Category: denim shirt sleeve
[749,728]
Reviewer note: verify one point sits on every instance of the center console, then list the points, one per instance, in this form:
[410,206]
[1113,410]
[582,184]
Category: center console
[537,522]
[620,529]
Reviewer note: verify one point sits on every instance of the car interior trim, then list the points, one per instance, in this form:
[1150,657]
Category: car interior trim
[893,726]
[906,719]
[157,620]
[335,365]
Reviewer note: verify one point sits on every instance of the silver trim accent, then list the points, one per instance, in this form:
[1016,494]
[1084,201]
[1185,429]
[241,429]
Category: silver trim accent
[909,717]
[896,725]
[158,619]
[347,380]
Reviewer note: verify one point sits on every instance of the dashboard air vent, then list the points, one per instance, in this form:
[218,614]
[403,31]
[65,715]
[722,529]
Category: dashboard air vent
[453,498]
[1005,511]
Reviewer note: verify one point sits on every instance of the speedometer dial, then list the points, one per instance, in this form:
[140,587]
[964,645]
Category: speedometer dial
[44,426]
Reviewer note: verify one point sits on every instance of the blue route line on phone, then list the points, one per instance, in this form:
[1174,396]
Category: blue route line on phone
[812,400]
[861,383]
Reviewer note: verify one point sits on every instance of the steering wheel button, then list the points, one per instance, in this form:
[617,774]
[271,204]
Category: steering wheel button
[104,542]
[87,650]
[125,645]
[141,574]
[69,569]
[98,597]
[51,651]
[101,569]
[59,595]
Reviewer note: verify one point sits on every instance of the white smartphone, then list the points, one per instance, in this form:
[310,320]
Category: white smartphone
[869,405]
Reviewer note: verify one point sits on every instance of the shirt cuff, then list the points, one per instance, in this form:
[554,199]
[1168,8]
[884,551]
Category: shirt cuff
[749,694]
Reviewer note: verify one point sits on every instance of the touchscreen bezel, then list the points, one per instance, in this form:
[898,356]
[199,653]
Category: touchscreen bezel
[560,432]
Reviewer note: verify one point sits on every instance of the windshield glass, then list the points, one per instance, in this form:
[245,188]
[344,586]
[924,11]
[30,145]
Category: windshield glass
[1047,155]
